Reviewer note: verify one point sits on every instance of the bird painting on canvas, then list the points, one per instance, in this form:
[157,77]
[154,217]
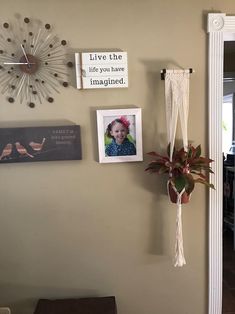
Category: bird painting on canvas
[7,150]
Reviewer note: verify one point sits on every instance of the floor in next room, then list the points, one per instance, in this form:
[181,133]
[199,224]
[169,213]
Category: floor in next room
[228,273]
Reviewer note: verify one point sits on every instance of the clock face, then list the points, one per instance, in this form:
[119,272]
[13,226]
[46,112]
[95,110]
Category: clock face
[33,62]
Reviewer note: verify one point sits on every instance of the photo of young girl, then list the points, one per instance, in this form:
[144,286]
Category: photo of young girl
[119,135]
[118,140]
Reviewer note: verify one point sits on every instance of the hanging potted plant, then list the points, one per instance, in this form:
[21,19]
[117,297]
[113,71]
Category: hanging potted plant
[184,170]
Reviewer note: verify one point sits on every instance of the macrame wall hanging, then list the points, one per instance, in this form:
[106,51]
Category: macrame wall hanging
[177,106]
[185,166]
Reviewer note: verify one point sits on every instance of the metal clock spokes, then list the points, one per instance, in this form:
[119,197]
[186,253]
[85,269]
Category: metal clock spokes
[32,62]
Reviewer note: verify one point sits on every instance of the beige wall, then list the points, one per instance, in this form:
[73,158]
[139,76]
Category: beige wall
[80,228]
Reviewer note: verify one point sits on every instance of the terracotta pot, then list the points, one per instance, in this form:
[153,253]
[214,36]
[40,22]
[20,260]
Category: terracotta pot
[173,195]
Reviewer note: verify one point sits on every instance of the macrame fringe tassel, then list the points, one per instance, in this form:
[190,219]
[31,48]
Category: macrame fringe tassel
[179,247]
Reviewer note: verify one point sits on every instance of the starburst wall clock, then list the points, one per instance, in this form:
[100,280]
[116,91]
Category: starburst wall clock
[33,62]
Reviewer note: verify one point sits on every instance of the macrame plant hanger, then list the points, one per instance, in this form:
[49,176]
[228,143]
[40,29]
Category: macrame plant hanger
[177,105]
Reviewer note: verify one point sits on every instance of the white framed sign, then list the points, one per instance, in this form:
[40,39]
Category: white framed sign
[101,70]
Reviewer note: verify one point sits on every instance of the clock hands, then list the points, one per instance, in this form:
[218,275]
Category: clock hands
[9,63]
[21,63]
[26,58]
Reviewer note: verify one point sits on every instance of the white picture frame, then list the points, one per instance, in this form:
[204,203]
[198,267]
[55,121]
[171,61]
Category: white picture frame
[131,147]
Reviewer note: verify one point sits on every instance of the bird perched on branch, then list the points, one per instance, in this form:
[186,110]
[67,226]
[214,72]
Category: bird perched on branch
[7,150]
[22,150]
[37,146]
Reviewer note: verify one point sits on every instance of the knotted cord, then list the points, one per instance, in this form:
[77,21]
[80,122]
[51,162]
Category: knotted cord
[177,104]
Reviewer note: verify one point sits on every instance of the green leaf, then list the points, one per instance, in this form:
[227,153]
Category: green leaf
[209,185]
[153,168]
[159,169]
[198,151]
[190,152]
[189,186]
[163,169]
[154,154]
[179,182]
[157,162]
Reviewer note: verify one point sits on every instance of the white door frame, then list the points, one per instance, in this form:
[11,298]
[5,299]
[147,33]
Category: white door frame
[220,27]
